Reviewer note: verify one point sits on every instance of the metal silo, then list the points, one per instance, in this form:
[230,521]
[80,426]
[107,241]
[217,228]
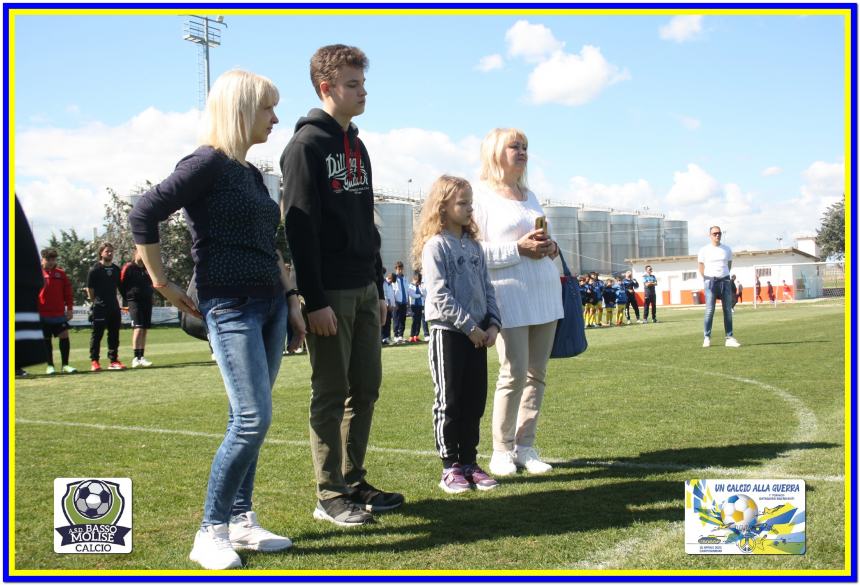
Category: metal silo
[563,224]
[394,221]
[594,244]
[623,239]
[675,241]
[650,236]
[273,185]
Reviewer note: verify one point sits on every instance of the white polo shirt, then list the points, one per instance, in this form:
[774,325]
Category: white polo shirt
[716,260]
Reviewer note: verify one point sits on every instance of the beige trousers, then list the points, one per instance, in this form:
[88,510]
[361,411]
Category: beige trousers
[523,356]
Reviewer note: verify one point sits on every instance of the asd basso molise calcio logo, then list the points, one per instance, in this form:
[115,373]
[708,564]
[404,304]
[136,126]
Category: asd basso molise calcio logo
[92,515]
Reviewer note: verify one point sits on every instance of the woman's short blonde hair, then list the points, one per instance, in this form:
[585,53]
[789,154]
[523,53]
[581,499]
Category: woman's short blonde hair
[491,154]
[231,109]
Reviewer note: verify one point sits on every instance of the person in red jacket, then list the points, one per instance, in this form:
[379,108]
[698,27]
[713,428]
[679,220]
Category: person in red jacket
[56,308]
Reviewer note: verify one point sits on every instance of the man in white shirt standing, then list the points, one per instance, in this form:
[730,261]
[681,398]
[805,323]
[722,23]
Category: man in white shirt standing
[715,262]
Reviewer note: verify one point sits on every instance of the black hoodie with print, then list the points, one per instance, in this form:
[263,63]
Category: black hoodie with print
[328,198]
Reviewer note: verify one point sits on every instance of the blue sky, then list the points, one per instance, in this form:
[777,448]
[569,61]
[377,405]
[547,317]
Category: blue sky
[737,120]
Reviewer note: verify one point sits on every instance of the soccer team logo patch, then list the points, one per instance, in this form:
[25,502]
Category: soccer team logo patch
[92,515]
[745,516]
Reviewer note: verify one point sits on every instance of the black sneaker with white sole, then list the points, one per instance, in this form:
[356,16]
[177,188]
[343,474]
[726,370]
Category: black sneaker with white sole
[371,499]
[342,511]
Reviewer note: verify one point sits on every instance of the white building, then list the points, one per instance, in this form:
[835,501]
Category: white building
[678,278]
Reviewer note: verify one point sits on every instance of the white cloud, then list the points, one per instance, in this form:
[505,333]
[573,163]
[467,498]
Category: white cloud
[771,171]
[573,79]
[824,182]
[690,123]
[490,63]
[682,28]
[694,185]
[532,42]
[626,196]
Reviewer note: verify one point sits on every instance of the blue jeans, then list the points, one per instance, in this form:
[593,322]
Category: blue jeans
[722,289]
[247,338]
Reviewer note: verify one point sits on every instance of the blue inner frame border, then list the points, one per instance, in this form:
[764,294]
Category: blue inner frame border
[525,577]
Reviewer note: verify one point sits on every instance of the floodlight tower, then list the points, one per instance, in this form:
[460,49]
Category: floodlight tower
[206,32]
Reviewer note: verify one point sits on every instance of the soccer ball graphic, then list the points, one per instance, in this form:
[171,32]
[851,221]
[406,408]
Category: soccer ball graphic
[739,512]
[93,499]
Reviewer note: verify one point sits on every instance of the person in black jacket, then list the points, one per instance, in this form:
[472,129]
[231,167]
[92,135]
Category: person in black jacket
[29,342]
[328,202]
[245,294]
[136,290]
[102,289]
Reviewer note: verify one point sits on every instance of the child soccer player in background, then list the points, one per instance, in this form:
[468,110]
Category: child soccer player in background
[621,302]
[464,321]
[609,300]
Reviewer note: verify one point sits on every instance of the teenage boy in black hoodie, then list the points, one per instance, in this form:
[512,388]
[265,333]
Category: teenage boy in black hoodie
[328,202]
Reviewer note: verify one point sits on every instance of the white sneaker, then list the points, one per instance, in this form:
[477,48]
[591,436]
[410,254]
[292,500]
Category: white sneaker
[247,534]
[502,463]
[732,342]
[212,549]
[135,363]
[707,342]
[143,362]
[50,370]
[528,457]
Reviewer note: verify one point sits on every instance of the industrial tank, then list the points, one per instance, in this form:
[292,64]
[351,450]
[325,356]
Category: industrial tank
[650,230]
[675,241]
[623,239]
[563,225]
[594,244]
[394,221]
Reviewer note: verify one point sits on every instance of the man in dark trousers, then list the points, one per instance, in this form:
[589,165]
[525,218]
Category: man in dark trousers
[649,284]
[102,288]
[136,289]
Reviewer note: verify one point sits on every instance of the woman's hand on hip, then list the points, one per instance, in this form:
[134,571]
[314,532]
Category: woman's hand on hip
[177,297]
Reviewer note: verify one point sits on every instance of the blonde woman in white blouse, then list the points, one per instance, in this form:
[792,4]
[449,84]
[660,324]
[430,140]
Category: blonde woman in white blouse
[528,292]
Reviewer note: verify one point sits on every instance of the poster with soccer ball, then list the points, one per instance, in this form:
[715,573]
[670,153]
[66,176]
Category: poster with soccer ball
[745,516]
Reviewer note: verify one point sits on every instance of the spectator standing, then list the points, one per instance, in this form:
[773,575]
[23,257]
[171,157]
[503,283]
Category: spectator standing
[401,299]
[740,292]
[416,303]
[390,303]
[328,199]
[630,284]
[715,264]
[771,295]
[136,290]
[56,309]
[102,288]
[649,285]
[757,290]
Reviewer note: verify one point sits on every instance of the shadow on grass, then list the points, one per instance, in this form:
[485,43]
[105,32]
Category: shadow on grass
[473,518]
[798,342]
[631,499]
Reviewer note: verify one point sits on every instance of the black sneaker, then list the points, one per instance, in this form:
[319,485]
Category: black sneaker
[373,500]
[342,511]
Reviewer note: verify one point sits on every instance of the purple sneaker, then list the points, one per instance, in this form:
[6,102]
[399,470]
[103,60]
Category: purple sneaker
[453,481]
[479,478]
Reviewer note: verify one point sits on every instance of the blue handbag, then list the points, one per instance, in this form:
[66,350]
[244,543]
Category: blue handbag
[570,333]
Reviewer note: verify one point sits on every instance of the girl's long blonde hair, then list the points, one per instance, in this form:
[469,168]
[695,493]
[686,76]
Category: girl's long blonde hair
[432,219]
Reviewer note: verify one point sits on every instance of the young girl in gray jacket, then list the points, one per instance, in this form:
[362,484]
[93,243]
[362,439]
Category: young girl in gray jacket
[464,321]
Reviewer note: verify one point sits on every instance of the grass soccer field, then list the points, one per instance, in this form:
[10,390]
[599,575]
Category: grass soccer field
[625,424]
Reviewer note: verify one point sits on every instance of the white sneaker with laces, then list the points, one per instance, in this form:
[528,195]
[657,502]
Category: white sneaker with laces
[212,549]
[247,534]
[142,361]
[732,342]
[707,342]
[502,463]
[528,457]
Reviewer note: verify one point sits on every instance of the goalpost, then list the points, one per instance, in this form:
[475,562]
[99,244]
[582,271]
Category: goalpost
[798,281]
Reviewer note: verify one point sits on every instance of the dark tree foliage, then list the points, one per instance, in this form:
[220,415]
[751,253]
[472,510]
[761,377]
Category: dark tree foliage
[831,235]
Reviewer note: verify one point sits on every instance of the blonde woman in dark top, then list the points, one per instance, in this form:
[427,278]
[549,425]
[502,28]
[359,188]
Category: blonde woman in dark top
[241,283]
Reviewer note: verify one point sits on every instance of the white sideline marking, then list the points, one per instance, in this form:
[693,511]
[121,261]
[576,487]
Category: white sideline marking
[412,452]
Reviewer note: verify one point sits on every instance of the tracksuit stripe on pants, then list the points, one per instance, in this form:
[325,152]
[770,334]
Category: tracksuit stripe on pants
[459,373]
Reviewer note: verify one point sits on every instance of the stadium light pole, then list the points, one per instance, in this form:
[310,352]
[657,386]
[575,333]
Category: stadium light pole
[205,32]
